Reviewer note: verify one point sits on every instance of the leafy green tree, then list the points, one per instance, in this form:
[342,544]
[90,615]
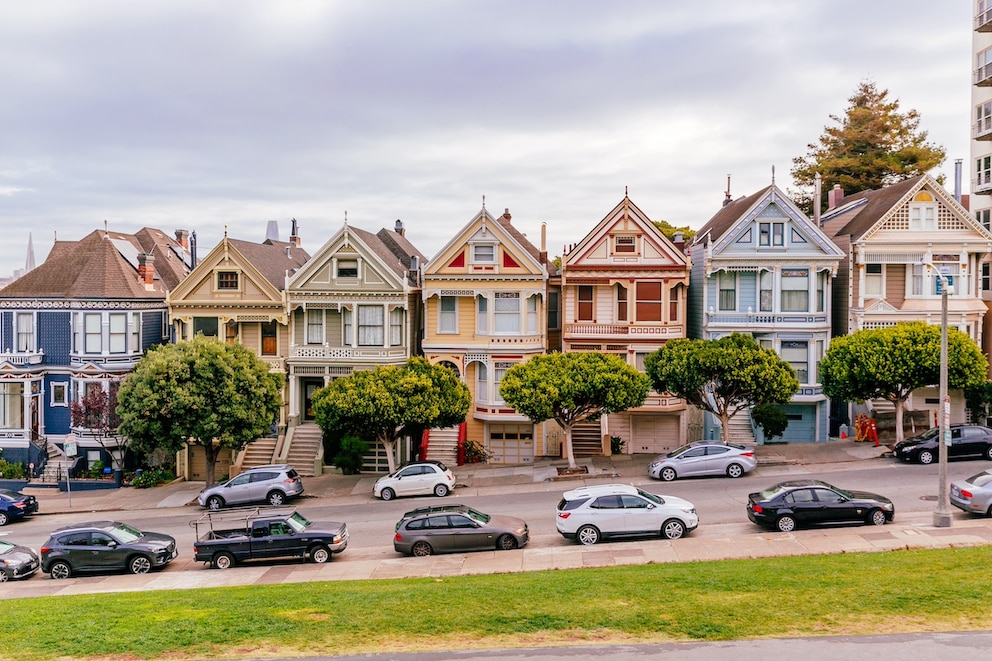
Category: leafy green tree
[390,402]
[771,419]
[891,362]
[871,146]
[198,392]
[571,387]
[670,230]
[722,376]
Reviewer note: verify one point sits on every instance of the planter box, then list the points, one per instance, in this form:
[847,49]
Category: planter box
[88,485]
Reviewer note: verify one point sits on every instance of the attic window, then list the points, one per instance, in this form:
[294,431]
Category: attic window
[227,280]
[923,212]
[484,254]
[625,244]
[348,268]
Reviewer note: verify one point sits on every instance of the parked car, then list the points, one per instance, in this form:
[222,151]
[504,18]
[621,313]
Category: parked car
[704,458]
[98,546]
[803,502]
[590,514]
[456,529]
[417,478]
[966,441]
[14,505]
[236,536]
[17,561]
[973,494]
[274,484]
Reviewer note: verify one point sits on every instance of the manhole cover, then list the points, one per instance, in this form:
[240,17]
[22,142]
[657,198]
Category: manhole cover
[928,497]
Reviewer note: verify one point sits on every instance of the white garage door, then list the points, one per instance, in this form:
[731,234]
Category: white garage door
[654,433]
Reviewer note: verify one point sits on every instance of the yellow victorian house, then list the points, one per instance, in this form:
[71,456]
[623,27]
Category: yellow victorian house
[486,309]
[235,294]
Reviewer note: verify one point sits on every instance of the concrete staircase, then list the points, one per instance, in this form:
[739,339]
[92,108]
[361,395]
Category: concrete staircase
[304,447]
[741,432]
[587,439]
[442,445]
[259,453]
[57,466]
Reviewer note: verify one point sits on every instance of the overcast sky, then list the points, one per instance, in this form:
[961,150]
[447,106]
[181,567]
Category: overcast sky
[204,114]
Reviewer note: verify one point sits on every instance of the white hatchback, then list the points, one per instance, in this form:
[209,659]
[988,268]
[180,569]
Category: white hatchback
[591,514]
[419,478]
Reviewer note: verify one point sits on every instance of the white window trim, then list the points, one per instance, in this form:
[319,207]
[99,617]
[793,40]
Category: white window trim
[56,387]
[440,316]
[474,256]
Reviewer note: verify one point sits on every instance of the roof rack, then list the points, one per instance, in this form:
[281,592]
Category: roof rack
[240,515]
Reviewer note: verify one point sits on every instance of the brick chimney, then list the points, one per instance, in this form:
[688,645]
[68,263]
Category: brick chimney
[678,240]
[506,215]
[146,269]
[182,238]
[835,197]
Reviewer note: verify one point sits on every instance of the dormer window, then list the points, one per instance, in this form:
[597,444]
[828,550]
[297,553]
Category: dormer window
[227,280]
[484,254]
[625,244]
[348,268]
[923,212]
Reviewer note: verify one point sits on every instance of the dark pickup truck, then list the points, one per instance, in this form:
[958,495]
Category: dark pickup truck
[226,538]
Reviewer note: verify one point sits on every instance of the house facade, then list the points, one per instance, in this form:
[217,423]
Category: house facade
[760,266]
[486,308]
[624,288]
[80,321]
[235,294]
[355,305]
[890,236]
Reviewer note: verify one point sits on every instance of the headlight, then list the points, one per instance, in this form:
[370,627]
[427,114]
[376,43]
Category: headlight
[689,510]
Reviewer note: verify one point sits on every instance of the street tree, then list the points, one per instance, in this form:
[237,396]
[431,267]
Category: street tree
[571,387]
[891,362]
[722,376]
[96,414]
[391,402]
[199,392]
[871,146]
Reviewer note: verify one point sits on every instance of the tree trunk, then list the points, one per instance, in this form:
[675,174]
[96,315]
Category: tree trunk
[724,426]
[390,445]
[210,453]
[568,446]
[899,403]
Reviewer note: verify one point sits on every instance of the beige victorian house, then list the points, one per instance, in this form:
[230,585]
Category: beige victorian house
[486,308]
[354,306]
[624,292]
[235,294]
[889,236]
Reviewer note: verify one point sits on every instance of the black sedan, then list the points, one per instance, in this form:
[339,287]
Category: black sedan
[16,561]
[457,528]
[966,441]
[100,546]
[806,502]
[15,505]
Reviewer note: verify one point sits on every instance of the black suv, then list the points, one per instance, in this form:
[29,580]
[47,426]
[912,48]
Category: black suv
[105,546]
[966,441]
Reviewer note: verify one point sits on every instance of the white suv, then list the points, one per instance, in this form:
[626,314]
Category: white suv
[590,514]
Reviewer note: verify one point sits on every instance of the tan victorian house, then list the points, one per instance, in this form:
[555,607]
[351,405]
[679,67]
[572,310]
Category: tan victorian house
[486,297]
[890,235]
[354,306]
[235,294]
[624,292]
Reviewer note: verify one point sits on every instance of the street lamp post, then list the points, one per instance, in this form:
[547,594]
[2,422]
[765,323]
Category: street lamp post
[942,514]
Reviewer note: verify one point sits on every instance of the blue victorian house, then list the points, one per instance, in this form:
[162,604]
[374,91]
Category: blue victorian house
[760,266]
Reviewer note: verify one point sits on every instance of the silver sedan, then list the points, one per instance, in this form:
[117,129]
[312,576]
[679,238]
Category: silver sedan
[974,494]
[704,458]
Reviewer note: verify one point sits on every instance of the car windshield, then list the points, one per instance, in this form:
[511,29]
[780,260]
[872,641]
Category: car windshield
[657,500]
[5,546]
[477,515]
[125,533]
[677,451]
[927,435]
[298,522]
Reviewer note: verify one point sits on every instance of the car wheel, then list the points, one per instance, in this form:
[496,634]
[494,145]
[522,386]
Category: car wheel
[667,474]
[506,543]
[735,470]
[989,513]
[421,549]
[276,498]
[988,453]
[60,569]
[4,577]
[139,564]
[587,535]
[215,503]
[673,529]
[387,494]
[4,519]
[223,560]
[786,523]
[925,457]
[441,490]
[876,517]
[320,554]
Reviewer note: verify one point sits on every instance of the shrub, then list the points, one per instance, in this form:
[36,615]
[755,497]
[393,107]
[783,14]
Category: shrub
[475,452]
[96,470]
[12,471]
[770,418]
[351,455]
[617,445]
[153,478]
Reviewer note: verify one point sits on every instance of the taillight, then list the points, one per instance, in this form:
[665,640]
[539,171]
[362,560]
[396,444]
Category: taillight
[757,508]
[747,454]
[290,480]
[966,494]
[46,549]
[398,537]
[20,505]
[564,515]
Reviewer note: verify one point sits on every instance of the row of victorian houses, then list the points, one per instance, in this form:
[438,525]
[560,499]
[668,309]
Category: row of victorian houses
[487,300]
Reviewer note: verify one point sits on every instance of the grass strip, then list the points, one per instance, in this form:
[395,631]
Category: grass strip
[864,593]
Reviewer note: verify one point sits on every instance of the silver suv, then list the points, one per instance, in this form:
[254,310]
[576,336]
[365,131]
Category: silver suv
[591,514]
[274,484]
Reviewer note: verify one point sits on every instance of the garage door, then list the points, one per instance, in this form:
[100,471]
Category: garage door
[654,433]
[511,444]
[802,424]
[198,464]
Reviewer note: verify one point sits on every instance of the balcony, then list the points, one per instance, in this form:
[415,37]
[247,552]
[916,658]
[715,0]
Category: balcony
[117,362]
[983,22]
[321,352]
[982,130]
[622,331]
[275,363]
[983,76]
[22,358]
[982,184]
[765,318]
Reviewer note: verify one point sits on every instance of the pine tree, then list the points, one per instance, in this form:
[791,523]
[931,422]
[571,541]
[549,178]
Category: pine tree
[872,145]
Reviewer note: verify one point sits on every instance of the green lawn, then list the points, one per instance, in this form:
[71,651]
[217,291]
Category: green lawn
[899,591]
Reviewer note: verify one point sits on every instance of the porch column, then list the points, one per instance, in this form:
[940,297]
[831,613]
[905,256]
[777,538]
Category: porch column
[385,325]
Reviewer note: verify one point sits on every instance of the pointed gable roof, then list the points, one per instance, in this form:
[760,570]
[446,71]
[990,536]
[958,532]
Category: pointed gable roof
[727,217]
[527,256]
[272,259]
